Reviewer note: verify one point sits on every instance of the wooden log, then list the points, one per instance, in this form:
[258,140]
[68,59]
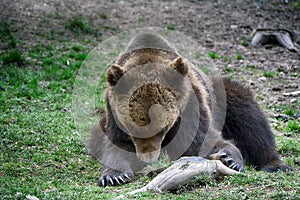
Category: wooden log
[182,171]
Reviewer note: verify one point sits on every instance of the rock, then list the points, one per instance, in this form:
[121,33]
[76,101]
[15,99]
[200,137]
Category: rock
[167,8]
[291,85]
[259,14]
[292,94]
[209,43]
[252,83]
[29,197]
[293,100]
[282,117]
[276,88]
[280,99]
[262,79]
[233,26]
[231,66]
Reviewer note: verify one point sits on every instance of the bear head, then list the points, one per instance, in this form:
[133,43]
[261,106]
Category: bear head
[146,100]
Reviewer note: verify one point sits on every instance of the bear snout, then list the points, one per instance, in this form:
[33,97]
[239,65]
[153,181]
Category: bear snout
[149,157]
[148,149]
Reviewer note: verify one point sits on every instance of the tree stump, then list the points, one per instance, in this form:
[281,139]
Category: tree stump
[283,37]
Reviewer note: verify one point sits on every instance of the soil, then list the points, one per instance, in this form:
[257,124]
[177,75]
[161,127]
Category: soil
[222,26]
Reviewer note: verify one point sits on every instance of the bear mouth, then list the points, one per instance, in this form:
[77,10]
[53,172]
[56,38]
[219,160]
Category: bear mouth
[148,149]
[149,157]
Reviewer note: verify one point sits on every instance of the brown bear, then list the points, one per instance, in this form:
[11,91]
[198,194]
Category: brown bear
[157,101]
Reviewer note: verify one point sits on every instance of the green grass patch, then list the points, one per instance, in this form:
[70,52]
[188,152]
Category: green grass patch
[269,74]
[288,122]
[239,56]
[296,5]
[12,42]
[227,59]
[228,69]
[290,111]
[252,68]
[100,93]
[103,15]
[288,145]
[11,57]
[79,25]
[171,27]
[77,48]
[293,126]
[4,30]
[295,74]
[197,55]
[6,35]
[213,55]
[77,55]
[245,41]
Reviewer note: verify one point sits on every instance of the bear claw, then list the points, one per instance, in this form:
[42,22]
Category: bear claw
[121,179]
[229,162]
[126,176]
[112,180]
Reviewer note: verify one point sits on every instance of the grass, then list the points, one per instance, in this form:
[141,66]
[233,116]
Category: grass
[245,40]
[103,15]
[227,59]
[11,57]
[288,122]
[293,126]
[269,74]
[289,110]
[296,5]
[197,55]
[239,56]
[6,35]
[171,27]
[78,25]
[42,155]
[213,55]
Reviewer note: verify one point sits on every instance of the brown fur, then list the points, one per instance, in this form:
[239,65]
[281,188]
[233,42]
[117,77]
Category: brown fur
[247,125]
[246,130]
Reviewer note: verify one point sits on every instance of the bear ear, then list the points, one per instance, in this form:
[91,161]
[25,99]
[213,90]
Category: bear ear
[180,65]
[113,74]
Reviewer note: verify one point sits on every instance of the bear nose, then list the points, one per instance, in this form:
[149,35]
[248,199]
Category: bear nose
[149,157]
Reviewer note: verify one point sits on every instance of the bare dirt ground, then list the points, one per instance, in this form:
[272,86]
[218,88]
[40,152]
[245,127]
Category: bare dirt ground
[224,27]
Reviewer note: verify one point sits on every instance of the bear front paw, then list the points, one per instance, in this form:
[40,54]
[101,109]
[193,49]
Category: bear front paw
[230,162]
[275,165]
[112,177]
